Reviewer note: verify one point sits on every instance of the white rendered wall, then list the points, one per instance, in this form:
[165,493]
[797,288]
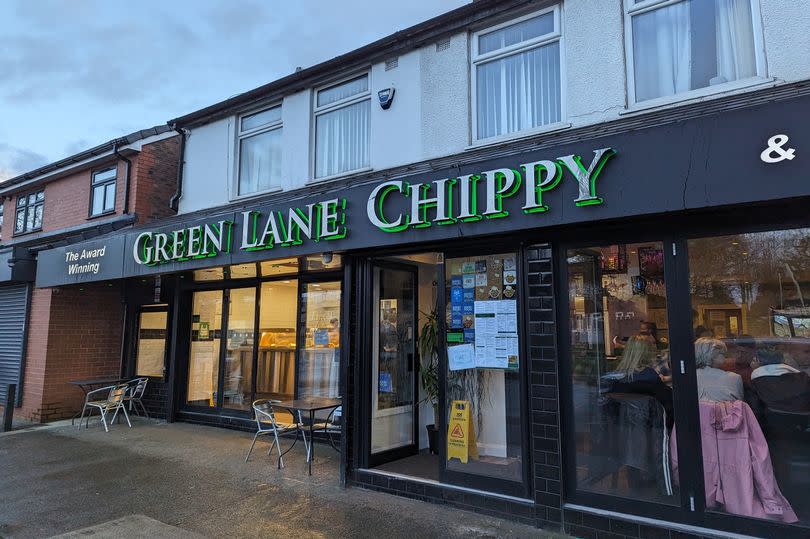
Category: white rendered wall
[430,116]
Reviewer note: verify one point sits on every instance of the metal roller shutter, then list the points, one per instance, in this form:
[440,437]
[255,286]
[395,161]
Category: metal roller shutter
[13,315]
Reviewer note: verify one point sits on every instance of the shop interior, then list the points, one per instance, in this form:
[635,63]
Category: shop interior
[233,362]
[750,299]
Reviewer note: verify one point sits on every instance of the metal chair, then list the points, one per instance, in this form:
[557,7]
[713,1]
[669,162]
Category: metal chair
[113,403]
[267,424]
[333,425]
[137,388]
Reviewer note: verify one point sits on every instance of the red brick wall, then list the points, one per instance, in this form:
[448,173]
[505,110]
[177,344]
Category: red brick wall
[75,334]
[154,179]
[35,354]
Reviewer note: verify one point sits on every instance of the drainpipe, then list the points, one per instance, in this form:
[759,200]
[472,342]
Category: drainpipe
[174,202]
[128,177]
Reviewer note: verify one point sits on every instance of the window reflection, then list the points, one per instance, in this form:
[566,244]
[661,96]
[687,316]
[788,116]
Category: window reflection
[750,314]
[623,411]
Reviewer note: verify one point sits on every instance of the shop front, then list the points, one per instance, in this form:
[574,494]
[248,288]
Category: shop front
[592,332]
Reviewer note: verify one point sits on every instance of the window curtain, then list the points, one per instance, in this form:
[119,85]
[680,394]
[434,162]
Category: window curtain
[342,140]
[736,57]
[519,92]
[662,51]
[260,162]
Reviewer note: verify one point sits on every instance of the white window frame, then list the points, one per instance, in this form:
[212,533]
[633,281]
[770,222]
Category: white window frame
[103,183]
[631,10]
[477,59]
[317,111]
[242,135]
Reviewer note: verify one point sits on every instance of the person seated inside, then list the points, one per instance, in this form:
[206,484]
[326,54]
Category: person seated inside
[713,382]
[778,385]
[636,372]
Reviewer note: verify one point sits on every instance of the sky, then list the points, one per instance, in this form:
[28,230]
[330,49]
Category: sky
[77,73]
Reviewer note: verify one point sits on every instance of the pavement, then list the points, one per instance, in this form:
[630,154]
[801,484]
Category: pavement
[183,480]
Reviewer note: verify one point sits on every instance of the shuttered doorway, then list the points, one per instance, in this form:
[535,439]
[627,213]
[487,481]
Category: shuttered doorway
[13,315]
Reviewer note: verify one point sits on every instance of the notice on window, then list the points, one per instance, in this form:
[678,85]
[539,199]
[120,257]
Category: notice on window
[461,357]
[496,338]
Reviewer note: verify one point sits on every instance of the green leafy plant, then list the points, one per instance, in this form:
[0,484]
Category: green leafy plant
[427,343]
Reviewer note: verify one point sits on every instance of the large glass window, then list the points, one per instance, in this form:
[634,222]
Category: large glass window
[238,376]
[691,44]
[103,199]
[751,313]
[29,212]
[260,151]
[203,361]
[275,373]
[516,69]
[151,353]
[342,127]
[483,377]
[319,368]
[621,377]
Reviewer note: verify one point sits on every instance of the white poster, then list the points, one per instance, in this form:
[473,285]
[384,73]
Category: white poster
[461,356]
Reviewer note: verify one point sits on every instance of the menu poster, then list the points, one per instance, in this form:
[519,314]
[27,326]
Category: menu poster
[496,335]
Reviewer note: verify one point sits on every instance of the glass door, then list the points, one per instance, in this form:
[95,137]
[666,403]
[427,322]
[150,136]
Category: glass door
[206,349]
[393,380]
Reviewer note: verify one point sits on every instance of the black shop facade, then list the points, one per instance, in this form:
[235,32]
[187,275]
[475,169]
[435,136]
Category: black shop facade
[603,329]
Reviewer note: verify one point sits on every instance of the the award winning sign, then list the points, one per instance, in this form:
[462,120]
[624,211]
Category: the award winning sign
[392,206]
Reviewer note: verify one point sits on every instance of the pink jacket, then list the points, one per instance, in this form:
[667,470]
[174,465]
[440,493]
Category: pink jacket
[737,468]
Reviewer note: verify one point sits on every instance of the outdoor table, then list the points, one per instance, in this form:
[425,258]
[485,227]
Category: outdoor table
[87,385]
[309,406]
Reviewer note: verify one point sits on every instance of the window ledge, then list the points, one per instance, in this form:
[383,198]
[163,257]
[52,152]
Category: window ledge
[325,179]
[696,96]
[256,194]
[503,139]
[100,215]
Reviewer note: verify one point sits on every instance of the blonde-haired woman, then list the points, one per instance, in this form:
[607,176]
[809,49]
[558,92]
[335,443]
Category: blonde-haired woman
[638,359]
[715,384]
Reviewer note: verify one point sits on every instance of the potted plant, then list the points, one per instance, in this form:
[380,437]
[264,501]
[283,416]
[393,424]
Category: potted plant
[429,372]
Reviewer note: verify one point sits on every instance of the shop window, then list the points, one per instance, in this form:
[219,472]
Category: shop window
[29,212]
[151,353]
[275,373]
[483,376]
[284,266]
[238,374]
[689,44]
[342,127]
[203,361]
[323,262]
[260,151]
[620,369]
[210,274]
[750,313]
[319,368]
[242,271]
[516,73]
[103,194]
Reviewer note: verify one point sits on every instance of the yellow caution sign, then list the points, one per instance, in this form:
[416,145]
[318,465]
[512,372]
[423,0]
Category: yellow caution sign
[460,433]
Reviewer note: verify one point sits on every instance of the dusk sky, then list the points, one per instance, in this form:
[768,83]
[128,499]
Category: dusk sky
[74,74]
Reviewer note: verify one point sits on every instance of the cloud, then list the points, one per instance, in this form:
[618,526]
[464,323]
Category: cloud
[16,161]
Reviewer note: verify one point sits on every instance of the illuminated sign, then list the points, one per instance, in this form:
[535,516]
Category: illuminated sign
[392,206]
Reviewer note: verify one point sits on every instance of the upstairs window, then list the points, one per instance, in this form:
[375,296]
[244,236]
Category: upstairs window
[1,219]
[259,151]
[342,127]
[516,74]
[103,197]
[29,212]
[679,46]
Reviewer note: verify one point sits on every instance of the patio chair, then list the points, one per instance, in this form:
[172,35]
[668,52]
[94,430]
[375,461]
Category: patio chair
[113,403]
[137,388]
[332,426]
[268,424]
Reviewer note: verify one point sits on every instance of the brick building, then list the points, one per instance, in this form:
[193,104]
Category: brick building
[51,335]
